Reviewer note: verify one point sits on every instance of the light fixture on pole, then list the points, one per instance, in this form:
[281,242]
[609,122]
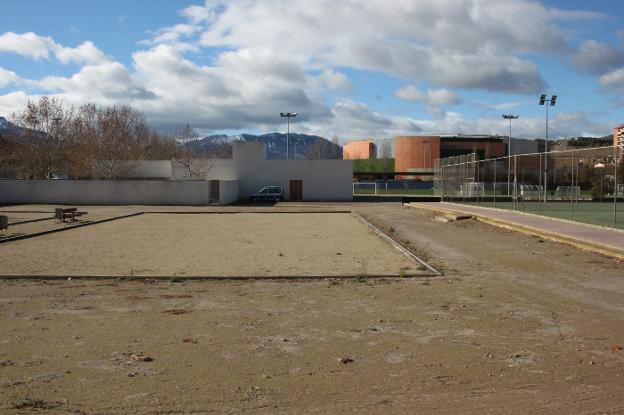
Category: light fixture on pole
[547,102]
[288,116]
[600,166]
[509,117]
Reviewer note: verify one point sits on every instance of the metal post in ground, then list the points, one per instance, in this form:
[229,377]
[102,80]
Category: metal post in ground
[477,183]
[615,186]
[495,162]
[540,188]
[515,190]
[572,191]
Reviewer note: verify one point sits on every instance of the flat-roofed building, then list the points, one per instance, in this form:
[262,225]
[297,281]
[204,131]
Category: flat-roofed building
[359,150]
[418,153]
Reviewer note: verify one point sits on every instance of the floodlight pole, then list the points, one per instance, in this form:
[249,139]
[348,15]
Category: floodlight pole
[288,116]
[509,117]
[547,102]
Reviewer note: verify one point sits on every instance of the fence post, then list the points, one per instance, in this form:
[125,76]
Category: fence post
[572,191]
[509,175]
[615,185]
[540,188]
[515,191]
[495,162]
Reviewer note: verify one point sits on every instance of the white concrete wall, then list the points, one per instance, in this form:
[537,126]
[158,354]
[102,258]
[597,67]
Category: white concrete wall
[204,169]
[322,179]
[228,191]
[105,192]
[148,169]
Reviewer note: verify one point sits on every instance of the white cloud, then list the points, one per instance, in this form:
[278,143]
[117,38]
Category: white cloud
[85,53]
[37,47]
[106,83]
[8,77]
[453,43]
[14,102]
[613,79]
[332,80]
[27,44]
[244,89]
[430,97]
[597,58]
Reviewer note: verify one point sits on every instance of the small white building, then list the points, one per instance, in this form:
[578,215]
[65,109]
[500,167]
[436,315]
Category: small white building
[249,170]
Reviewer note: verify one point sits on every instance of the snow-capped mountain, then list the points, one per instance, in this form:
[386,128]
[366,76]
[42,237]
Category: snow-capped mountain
[300,145]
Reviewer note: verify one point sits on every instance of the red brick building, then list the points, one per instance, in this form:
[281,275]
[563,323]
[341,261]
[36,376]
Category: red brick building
[418,153]
[359,150]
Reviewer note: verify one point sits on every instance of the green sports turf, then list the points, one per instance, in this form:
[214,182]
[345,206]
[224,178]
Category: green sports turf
[596,213]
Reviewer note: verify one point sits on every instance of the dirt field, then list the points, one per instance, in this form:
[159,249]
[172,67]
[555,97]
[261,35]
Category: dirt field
[241,244]
[516,325]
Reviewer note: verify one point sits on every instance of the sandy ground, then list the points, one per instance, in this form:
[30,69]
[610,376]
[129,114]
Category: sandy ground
[516,325]
[241,244]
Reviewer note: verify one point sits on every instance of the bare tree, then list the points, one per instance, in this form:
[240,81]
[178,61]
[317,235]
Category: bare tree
[87,142]
[196,164]
[45,145]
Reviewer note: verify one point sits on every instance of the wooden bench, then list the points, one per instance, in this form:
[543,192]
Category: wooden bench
[67,213]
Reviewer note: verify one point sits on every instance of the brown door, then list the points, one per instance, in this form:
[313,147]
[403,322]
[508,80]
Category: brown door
[214,191]
[296,190]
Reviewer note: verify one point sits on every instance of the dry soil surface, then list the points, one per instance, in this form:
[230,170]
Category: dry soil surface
[516,325]
[240,244]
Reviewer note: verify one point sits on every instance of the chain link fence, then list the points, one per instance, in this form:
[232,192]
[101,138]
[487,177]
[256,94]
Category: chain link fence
[585,185]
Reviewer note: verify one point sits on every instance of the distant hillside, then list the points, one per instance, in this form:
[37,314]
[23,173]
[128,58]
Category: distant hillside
[604,141]
[300,146]
[7,128]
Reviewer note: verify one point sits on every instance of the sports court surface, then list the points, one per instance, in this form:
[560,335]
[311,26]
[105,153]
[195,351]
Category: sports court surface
[594,213]
[211,245]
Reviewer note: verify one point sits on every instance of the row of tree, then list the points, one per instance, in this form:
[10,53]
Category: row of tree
[83,142]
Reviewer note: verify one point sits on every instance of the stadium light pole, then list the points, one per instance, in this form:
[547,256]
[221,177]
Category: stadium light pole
[288,116]
[547,102]
[601,167]
[509,117]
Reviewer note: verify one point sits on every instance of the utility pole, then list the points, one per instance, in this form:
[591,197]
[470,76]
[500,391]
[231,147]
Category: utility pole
[509,117]
[288,116]
[547,102]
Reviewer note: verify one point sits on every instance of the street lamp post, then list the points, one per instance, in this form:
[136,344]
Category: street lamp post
[600,166]
[509,117]
[288,116]
[547,102]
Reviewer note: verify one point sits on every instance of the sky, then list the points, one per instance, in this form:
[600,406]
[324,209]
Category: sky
[350,69]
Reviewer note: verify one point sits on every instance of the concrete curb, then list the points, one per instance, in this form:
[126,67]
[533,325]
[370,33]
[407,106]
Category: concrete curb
[584,245]
[431,271]
[170,278]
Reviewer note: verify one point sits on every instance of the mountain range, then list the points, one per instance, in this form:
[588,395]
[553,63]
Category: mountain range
[8,128]
[300,146]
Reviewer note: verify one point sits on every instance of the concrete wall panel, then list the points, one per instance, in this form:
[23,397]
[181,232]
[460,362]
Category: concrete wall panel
[105,192]
[228,192]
